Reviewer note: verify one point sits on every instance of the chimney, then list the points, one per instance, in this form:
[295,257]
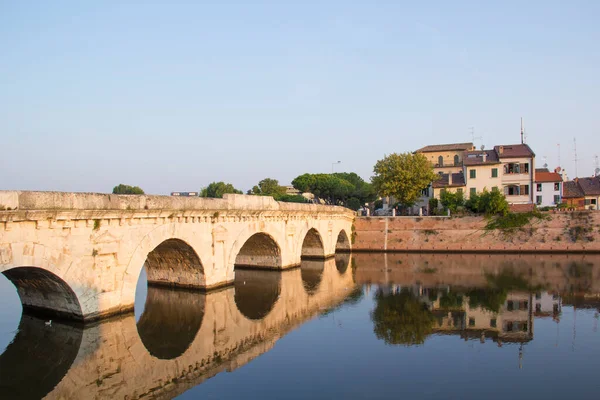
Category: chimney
[449,178]
[484,156]
[500,149]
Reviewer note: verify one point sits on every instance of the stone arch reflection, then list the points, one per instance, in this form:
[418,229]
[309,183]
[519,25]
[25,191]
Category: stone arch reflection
[170,321]
[43,293]
[342,243]
[261,251]
[342,261]
[256,292]
[38,358]
[312,275]
[312,246]
[174,263]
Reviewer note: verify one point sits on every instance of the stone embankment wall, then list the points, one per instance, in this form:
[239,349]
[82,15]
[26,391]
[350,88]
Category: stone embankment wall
[559,232]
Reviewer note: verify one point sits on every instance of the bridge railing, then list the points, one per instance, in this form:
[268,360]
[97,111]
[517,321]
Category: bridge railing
[31,200]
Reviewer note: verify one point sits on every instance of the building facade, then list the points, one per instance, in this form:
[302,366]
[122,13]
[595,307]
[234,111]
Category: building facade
[548,188]
[446,158]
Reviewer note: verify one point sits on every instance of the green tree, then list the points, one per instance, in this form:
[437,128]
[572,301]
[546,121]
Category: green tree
[400,318]
[452,200]
[403,176]
[218,189]
[488,203]
[346,188]
[126,189]
[269,187]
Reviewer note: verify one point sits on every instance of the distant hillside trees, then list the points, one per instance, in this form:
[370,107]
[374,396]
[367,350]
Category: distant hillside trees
[218,189]
[126,189]
[345,188]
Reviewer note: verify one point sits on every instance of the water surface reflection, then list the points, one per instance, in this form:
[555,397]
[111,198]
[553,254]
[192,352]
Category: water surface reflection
[387,324]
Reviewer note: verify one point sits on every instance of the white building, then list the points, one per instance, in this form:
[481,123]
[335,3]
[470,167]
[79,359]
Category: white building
[548,188]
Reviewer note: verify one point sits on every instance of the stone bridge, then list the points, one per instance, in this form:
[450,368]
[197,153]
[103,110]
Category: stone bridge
[79,255]
[181,339]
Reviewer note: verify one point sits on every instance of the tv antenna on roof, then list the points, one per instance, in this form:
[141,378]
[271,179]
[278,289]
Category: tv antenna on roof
[545,162]
[597,163]
[575,156]
[473,137]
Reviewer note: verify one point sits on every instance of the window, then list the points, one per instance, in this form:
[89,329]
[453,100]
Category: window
[512,191]
[538,296]
[557,186]
[556,199]
[538,200]
[539,187]
[512,168]
[493,323]
[472,191]
[494,172]
[525,168]
[525,189]
[510,305]
[472,173]
[440,161]
[425,192]
[593,201]
[471,321]
[538,307]
[456,162]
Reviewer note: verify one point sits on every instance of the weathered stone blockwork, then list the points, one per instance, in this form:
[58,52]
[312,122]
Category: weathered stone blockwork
[97,244]
[563,232]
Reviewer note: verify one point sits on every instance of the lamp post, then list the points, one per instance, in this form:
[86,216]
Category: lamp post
[332,164]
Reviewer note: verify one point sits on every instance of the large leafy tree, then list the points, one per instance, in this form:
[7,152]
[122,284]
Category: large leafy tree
[218,189]
[126,189]
[403,176]
[269,187]
[400,318]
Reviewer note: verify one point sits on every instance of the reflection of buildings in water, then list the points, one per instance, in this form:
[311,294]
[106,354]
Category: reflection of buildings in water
[548,305]
[121,359]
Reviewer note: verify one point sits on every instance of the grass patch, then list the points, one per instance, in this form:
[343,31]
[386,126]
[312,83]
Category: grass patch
[94,253]
[430,232]
[514,221]
[578,232]
[429,270]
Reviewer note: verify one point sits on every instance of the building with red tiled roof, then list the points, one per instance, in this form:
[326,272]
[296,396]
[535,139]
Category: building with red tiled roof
[548,188]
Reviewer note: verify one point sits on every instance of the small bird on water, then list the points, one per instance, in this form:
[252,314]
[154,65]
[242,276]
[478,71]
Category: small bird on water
[49,323]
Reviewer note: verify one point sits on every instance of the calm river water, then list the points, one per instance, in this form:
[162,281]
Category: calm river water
[360,326]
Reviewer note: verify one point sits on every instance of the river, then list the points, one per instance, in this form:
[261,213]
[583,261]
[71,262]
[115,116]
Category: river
[360,326]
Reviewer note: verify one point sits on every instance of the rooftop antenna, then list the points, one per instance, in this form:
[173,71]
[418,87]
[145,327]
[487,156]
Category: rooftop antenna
[597,163]
[558,145]
[545,162]
[522,132]
[473,137]
[575,156]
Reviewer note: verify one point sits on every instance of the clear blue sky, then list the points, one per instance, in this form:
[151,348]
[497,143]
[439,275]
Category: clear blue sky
[174,95]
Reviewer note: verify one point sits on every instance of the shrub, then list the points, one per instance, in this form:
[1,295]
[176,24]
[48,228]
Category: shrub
[452,200]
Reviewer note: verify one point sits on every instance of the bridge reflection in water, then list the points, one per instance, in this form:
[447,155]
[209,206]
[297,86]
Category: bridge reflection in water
[185,337]
[182,337]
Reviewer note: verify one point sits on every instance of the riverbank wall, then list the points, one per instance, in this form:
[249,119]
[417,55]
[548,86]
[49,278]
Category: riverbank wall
[556,232]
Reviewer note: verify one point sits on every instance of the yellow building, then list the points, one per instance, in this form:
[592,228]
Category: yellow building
[446,158]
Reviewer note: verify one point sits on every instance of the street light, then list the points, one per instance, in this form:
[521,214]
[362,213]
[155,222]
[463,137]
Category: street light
[332,164]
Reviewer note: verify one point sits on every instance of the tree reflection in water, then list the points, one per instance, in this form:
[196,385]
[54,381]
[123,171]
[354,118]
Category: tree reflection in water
[400,318]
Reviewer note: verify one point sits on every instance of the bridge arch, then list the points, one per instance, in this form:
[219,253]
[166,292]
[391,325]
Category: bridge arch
[41,276]
[259,250]
[312,245]
[343,241]
[161,246]
[311,272]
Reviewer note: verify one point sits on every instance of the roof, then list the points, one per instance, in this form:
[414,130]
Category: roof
[589,186]
[476,157]
[547,176]
[571,190]
[458,180]
[538,170]
[446,147]
[514,151]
